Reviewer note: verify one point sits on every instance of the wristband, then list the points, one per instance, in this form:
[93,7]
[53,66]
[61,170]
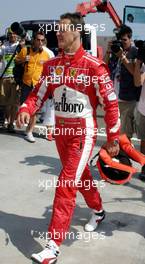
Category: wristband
[116,142]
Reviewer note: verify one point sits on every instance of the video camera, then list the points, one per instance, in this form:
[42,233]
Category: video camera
[18,69]
[20,31]
[140,44]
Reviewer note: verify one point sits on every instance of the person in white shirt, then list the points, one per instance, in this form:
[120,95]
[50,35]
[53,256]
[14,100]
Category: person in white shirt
[8,88]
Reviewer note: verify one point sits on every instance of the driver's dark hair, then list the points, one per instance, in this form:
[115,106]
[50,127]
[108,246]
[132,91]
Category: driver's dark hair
[76,20]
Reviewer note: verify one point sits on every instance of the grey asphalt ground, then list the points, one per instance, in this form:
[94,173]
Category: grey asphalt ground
[27,173]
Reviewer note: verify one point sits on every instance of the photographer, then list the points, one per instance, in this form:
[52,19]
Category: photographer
[8,89]
[139,79]
[122,74]
[32,70]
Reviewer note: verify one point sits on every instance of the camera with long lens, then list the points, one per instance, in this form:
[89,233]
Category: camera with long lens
[116,46]
[18,69]
[117,43]
[20,31]
[140,44]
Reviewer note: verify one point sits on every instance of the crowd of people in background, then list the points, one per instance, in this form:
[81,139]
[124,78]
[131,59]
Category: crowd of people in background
[14,92]
[127,73]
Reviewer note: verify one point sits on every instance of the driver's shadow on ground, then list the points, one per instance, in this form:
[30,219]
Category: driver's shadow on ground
[52,165]
[25,232]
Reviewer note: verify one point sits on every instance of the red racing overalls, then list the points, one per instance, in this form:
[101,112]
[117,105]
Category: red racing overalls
[77,83]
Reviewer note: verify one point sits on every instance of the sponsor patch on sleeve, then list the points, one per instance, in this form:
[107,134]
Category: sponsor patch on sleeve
[112,96]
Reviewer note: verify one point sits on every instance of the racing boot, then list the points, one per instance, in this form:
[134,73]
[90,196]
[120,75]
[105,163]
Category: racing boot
[48,255]
[96,218]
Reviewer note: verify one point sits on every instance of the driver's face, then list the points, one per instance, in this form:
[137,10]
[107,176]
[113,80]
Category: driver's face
[65,34]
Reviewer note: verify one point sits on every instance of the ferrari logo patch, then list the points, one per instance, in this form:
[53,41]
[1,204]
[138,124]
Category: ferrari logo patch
[73,72]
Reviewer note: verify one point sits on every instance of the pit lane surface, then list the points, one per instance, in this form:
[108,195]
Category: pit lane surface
[28,175]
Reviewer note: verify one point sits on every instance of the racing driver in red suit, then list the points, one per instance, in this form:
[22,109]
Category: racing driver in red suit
[78,82]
